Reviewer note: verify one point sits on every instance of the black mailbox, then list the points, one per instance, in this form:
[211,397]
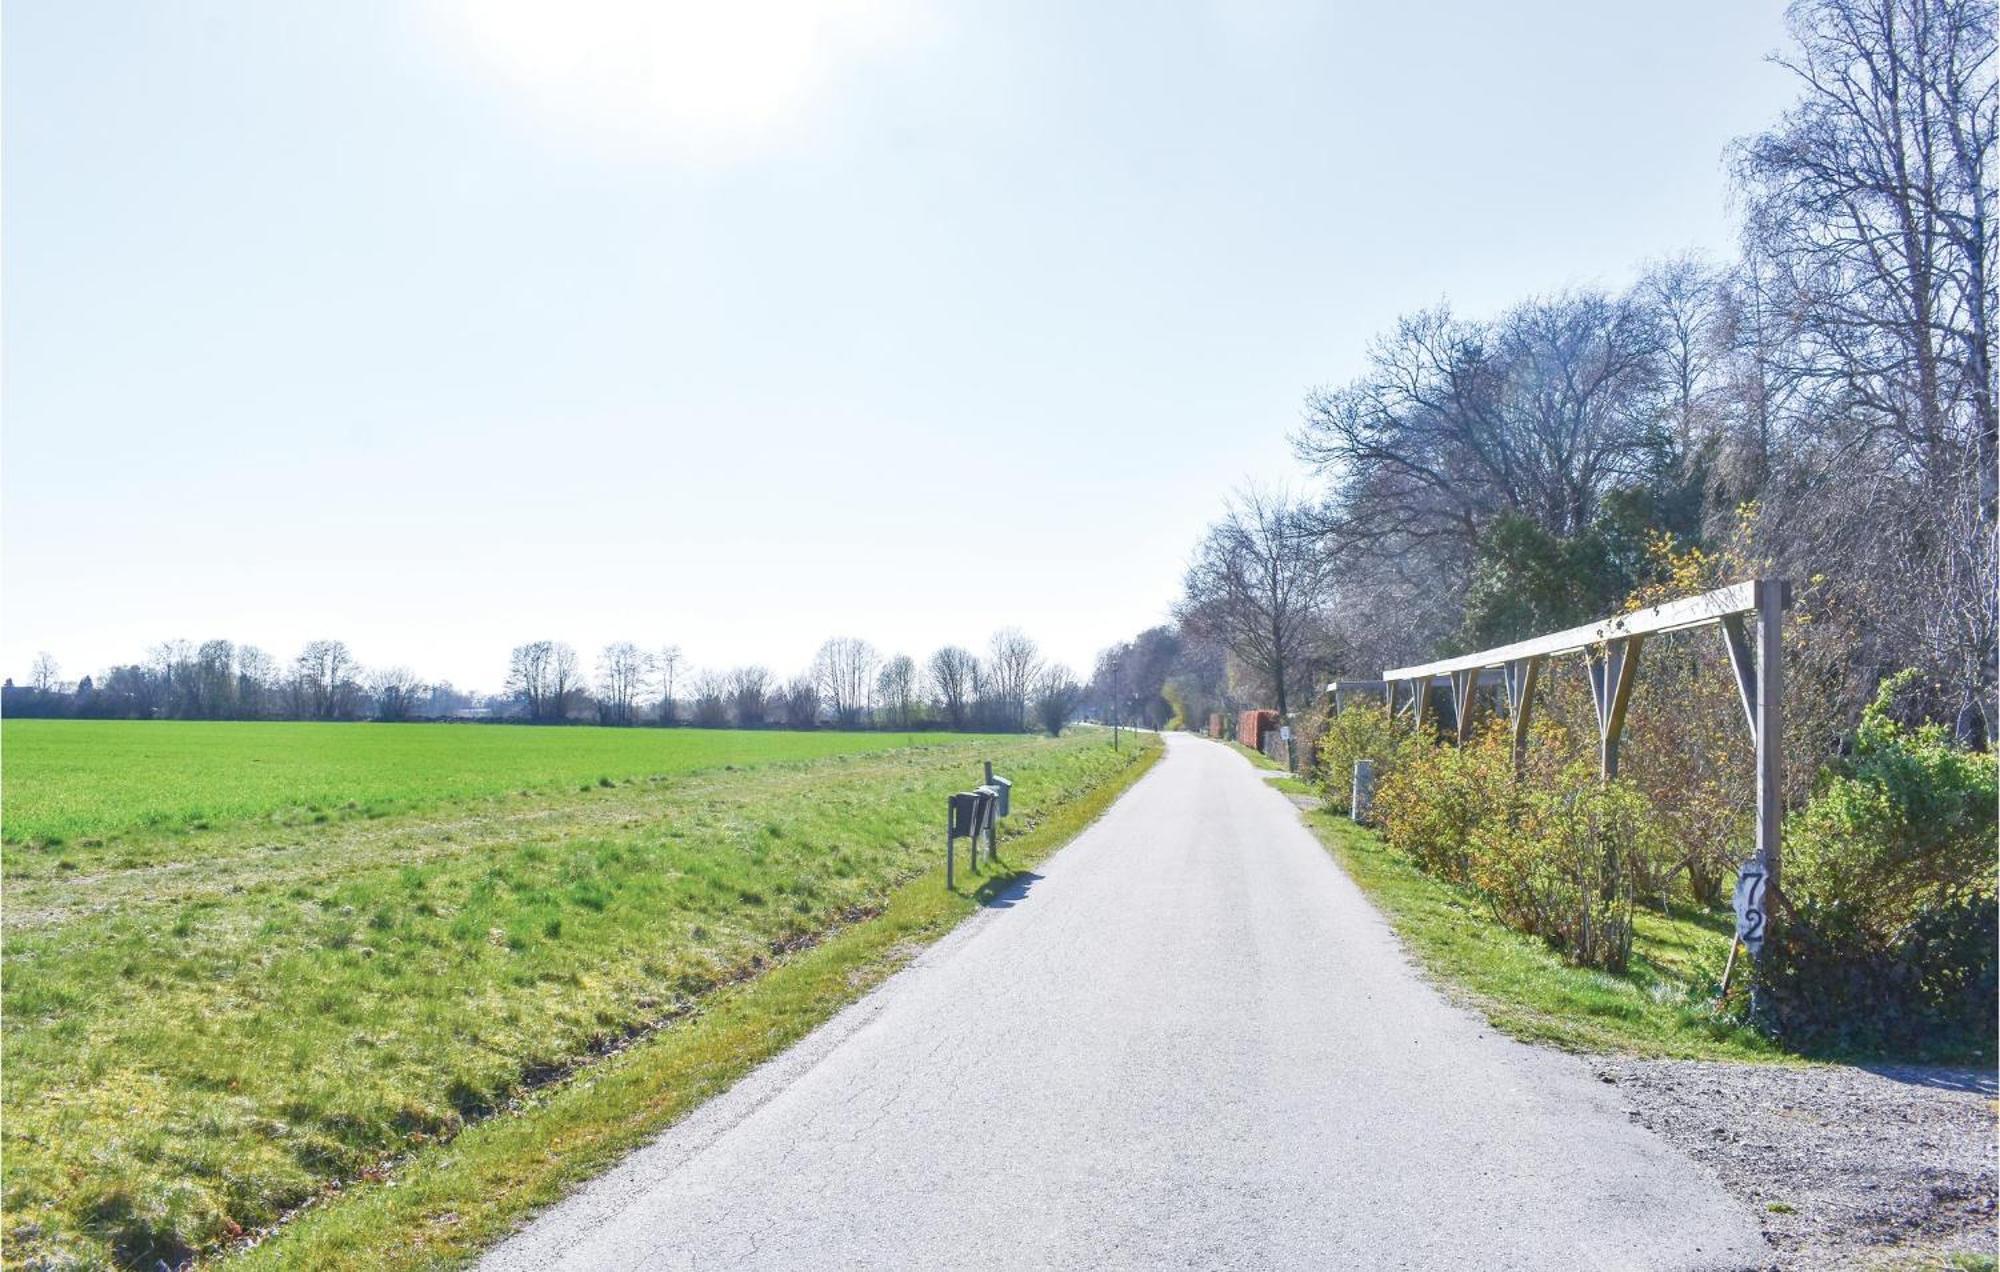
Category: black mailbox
[964,814]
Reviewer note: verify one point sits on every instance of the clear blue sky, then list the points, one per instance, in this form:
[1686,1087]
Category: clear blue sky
[441,328]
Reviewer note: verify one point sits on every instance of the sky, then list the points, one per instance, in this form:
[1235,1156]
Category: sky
[441,327]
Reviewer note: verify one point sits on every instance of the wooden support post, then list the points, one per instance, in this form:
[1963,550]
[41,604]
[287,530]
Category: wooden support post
[1771,602]
[1521,677]
[1611,693]
[1421,705]
[1389,699]
[1464,691]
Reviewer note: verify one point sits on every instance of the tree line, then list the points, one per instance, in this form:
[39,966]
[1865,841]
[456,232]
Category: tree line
[1820,407]
[849,684]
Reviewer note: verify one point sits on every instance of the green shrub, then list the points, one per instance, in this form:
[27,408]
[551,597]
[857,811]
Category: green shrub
[1567,862]
[1358,733]
[1886,938]
[1904,823]
[1556,852]
[1435,799]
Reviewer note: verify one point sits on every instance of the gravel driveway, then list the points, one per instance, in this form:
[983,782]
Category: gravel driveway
[1844,1167]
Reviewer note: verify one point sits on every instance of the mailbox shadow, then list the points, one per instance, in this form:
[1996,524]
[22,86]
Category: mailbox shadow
[1006,891]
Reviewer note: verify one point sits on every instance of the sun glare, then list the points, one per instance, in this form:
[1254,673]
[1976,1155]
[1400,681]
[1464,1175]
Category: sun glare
[704,80]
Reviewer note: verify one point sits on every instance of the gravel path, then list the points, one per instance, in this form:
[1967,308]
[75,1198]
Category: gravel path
[1844,1167]
[1188,1042]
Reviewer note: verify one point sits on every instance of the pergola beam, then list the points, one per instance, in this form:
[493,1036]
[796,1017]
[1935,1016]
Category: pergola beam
[1692,611]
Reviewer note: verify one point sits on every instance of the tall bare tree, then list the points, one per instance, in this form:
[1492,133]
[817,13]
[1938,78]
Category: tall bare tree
[1871,210]
[623,670]
[952,672]
[1258,586]
[324,671]
[667,663]
[45,674]
[1008,676]
[543,674]
[896,690]
[844,669]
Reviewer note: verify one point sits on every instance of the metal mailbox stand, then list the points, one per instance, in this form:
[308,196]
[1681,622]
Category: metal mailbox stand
[969,814]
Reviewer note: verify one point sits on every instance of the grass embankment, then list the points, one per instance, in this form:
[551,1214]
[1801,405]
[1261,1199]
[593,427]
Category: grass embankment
[254,1014]
[1659,1007]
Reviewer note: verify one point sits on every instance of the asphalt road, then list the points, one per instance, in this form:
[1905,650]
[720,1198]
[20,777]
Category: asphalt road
[1189,1043]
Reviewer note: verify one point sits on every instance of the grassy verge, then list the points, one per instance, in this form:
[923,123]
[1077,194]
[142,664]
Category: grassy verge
[205,1029]
[1256,757]
[1660,1007]
[450,1202]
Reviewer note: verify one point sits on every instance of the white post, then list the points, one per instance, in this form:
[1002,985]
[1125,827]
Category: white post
[1359,802]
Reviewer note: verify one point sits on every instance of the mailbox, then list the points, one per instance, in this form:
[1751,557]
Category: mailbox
[1003,789]
[964,815]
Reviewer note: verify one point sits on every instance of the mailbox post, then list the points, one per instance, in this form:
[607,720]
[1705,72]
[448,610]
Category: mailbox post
[969,814]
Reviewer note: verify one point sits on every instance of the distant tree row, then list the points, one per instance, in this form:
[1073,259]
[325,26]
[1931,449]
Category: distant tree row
[848,685]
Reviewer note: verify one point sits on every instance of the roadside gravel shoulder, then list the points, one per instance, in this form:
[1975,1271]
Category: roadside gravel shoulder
[1844,1167]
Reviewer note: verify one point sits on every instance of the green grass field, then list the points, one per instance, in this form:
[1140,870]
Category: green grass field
[213,1016]
[67,781]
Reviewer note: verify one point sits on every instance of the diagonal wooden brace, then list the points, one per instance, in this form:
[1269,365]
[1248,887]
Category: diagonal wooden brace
[1611,675]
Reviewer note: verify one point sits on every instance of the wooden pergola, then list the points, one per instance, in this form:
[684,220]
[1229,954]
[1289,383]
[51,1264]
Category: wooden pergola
[1749,615]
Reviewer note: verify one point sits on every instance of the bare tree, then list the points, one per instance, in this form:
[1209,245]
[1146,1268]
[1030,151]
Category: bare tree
[257,682]
[1057,696]
[799,702]
[1692,309]
[844,669]
[214,680]
[1258,586]
[952,672]
[543,675]
[622,672]
[324,671]
[1871,218]
[896,690]
[668,664]
[711,699]
[749,695]
[396,691]
[1012,663]
[45,673]
[1453,423]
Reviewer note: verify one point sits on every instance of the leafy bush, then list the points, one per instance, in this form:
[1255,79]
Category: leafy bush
[1436,799]
[1567,863]
[1904,823]
[1887,937]
[1556,852]
[1359,733]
